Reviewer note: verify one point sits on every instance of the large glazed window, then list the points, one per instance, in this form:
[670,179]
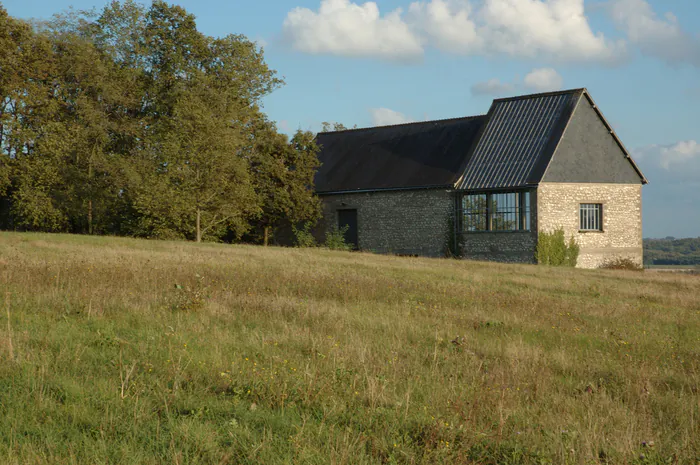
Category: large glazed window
[474,212]
[591,217]
[502,211]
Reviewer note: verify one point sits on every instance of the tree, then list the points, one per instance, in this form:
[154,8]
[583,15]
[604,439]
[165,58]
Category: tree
[328,127]
[131,121]
[283,174]
[201,94]
[201,183]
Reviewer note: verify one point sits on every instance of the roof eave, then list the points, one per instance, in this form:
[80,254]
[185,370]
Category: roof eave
[385,189]
[628,156]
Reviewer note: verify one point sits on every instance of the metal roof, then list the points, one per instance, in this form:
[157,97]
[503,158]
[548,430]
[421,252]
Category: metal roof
[405,156]
[518,141]
[508,148]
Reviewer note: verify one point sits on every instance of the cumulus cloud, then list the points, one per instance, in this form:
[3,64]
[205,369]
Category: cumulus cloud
[554,29]
[543,80]
[492,87]
[683,156]
[387,117]
[537,80]
[557,29]
[660,37]
[676,164]
[674,188]
[447,25]
[341,27]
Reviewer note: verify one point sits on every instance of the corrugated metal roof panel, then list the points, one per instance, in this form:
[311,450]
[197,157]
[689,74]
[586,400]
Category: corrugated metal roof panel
[518,140]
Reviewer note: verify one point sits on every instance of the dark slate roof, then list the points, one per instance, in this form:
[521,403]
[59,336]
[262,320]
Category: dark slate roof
[519,140]
[426,154]
[510,147]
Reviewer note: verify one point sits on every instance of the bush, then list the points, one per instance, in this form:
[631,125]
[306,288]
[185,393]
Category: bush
[553,249]
[303,236]
[335,239]
[621,263]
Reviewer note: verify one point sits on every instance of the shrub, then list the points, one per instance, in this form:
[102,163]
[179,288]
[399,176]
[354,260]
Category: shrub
[335,239]
[621,263]
[303,236]
[553,249]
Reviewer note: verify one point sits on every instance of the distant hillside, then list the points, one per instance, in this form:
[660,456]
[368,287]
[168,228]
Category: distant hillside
[672,251]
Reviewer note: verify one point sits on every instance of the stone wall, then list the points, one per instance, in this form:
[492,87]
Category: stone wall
[558,206]
[411,222]
[503,246]
[506,246]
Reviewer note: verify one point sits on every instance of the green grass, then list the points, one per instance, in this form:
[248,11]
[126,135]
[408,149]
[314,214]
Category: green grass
[127,351]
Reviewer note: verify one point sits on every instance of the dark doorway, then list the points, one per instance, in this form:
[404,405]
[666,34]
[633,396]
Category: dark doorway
[349,218]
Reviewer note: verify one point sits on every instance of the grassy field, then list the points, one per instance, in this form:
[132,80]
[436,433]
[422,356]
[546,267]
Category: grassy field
[137,352]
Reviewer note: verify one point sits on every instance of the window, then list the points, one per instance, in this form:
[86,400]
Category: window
[474,213]
[505,211]
[591,217]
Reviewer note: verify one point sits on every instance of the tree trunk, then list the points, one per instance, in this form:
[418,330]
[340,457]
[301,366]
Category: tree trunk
[199,225]
[90,216]
[266,237]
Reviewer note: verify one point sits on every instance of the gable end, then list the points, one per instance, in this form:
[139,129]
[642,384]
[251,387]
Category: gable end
[590,151]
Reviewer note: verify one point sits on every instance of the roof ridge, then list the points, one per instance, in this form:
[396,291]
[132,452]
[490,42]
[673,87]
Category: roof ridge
[404,124]
[541,94]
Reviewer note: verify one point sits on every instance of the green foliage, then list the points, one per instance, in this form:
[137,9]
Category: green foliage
[453,247]
[330,127]
[132,121]
[283,171]
[553,249]
[303,237]
[335,239]
[621,263]
[672,251]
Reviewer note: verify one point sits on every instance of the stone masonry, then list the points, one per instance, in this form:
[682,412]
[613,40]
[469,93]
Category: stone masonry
[506,246]
[503,246]
[410,222]
[558,206]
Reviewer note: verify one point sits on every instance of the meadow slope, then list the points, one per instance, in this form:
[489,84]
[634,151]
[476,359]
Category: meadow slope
[126,351]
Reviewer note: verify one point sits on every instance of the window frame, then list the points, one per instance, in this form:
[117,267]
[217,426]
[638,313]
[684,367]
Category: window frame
[597,210]
[521,210]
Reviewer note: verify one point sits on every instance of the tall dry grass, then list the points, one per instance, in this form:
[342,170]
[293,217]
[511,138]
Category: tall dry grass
[127,351]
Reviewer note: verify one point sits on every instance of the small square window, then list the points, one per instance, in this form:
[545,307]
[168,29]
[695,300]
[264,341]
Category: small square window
[591,217]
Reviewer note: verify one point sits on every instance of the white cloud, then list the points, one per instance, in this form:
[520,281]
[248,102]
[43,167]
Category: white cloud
[341,27]
[537,80]
[679,161]
[674,188]
[447,25]
[680,154]
[660,37]
[553,29]
[387,117]
[556,29]
[493,87]
[543,80]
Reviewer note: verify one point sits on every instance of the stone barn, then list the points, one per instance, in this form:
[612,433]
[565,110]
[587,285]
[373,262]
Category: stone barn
[486,186]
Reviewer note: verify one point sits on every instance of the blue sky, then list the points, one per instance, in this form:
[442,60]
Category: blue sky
[391,61]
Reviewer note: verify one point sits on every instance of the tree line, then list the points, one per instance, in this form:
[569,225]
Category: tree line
[130,121]
[672,251]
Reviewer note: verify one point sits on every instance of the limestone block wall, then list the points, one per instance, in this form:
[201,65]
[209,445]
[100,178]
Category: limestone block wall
[558,206]
[411,222]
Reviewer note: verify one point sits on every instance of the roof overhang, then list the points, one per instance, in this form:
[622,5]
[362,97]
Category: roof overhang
[615,136]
